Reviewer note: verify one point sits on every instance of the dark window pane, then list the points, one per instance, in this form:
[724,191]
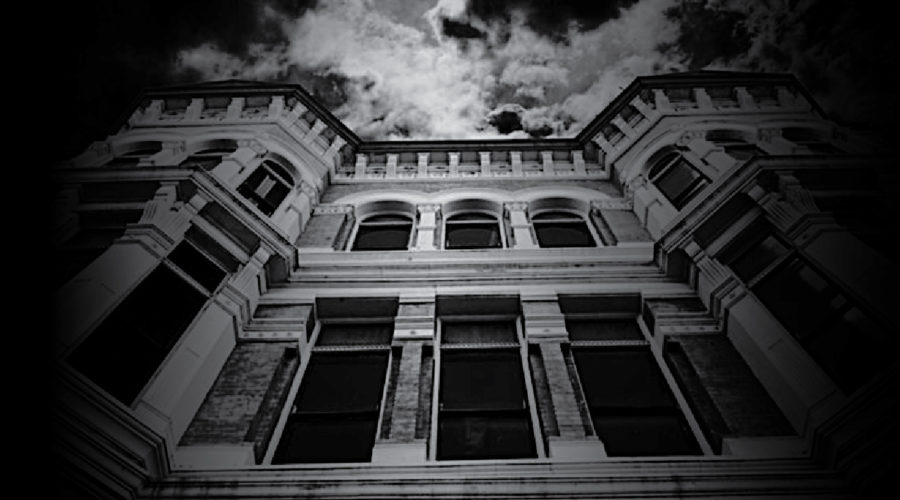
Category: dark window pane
[481,380]
[343,382]
[563,234]
[650,435]
[462,437]
[758,257]
[309,439]
[197,265]
[849,349]
[605,329]
[473,236]
[355,334]
[679,182]
[621,378]
[392,237]
[799,297]
[126,349]
[481,331]
[471,216]
[275,195]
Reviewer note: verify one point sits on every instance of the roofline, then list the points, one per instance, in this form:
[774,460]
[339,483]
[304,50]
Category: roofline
[241,87]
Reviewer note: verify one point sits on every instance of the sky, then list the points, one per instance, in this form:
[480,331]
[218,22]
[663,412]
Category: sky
[463,69]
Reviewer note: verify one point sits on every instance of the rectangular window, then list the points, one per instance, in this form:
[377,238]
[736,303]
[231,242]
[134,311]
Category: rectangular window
[483,399]
[334,417]
[845,342]
[631,406]
[632,409]
[123,353]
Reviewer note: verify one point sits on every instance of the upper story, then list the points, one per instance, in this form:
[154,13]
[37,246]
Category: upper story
[274,169]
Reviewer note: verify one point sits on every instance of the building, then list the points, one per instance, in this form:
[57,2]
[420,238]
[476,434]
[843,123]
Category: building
[692,297]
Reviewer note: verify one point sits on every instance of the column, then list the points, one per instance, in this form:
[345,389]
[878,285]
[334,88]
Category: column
[561,417]
[400,443]
[706,151]
[423,165]
[293,217]
[520,225]
[427,227]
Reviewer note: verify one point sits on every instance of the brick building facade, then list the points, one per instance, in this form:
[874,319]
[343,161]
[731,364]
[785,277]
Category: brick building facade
[692,297]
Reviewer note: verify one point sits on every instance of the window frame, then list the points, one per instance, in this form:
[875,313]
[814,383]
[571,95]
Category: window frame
[363,222]
[250,194]
[680,407]
[289,407]
[520,346]
[663,165]
[757,231]
[497,219]
[574,218]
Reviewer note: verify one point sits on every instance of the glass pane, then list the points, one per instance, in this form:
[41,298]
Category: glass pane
[275,196]
[382,237]
[386,218]
[849,349]
[758,257]
[563,234]
[652,435]
[473,236]
[126,349]
[799,297]
[482,331]
[471,216]
[621,378]
[197,265]
[343,382]
[462,437]
[678,181]
[355,334]
[555,216]
[311,439]
[606,329]
[481,380]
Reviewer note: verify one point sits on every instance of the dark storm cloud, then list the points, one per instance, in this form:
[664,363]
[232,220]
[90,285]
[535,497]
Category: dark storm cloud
[506,122]
[455,29]
[550,18]
[845,53]
[107,51]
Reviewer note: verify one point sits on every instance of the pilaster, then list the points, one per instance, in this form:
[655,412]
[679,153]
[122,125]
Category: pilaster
[427,226]
[521,227]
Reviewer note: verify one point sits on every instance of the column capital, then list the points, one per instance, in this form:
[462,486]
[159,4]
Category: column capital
[428,207]
[687,137]
[516,206]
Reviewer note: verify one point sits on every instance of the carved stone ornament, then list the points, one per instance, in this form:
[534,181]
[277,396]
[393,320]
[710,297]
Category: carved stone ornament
[253,144]
[333,209]
[428,207]
[516,206]
[177,147]
[767,134]
[689,136]
[100,148]
[611,204]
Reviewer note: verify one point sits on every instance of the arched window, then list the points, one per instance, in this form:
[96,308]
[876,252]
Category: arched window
[267,186]
[472,230]
[555,229]
[207,159]
[677,179]
[384,232]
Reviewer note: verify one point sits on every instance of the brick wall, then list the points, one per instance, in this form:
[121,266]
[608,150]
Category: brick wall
[624,225]
[725,396]
[244,402]
[323,231]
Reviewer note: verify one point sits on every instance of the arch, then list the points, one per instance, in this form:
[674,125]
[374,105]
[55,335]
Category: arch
[675,176]
[384,225]
[562,223]
[135,148]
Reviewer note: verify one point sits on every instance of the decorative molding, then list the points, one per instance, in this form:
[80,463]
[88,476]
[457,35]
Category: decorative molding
[769,134]
[428,207]
[516,206]
[176,147]
[254,145]
[687,137]
[612,204]
[333,209]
